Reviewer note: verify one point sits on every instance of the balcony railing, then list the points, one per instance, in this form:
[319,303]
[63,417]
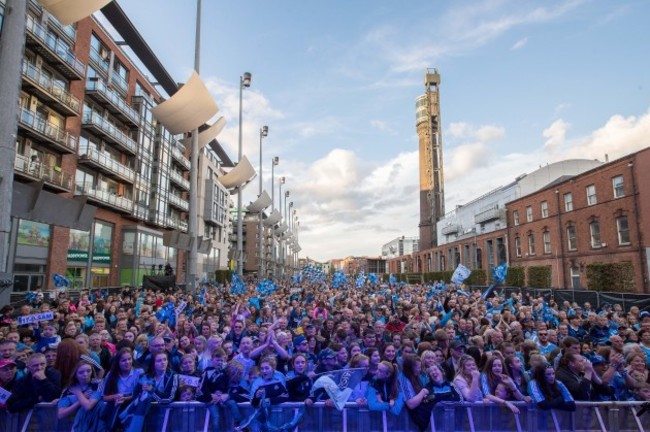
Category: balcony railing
[450,229]
[179,180]
[178,202]
[106,198]
[104,161]
[489,214]
[55,50]
[50,91]
[121,83]
[97,60]
[41,129]
[178,224]
[50,175]
[108,130]
[116,103]
[178,155]
[68,30]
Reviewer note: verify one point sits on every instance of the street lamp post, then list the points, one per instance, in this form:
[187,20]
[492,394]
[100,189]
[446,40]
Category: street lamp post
[275,161]
[244,81]
[264,131]
[291,231]
[287,216]
[282,180]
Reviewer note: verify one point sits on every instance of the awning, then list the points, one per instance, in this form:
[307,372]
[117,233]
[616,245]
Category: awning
[273,218]
[242,172]
[282,228]
[71,11]
[188,108]
[207,135]
[262,202]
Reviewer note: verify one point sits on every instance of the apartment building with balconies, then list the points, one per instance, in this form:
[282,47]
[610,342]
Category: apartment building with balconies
[86,131]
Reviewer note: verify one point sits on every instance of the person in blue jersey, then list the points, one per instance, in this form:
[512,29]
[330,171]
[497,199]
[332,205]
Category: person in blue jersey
[118,386]
[158,385]
[80,399]
[298,381]
[383,392]
[492,376]
[547,392]
[414,391]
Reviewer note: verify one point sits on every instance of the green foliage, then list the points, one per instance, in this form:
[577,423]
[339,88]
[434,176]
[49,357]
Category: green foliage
[222,276]
[612,277]
[477,277]
[516,277]
[539,276]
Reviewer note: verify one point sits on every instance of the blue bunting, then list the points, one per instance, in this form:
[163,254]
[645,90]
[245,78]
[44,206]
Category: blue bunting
[361,280]
[313,273]
[392,279]
[103,293]
[266,287]
[373,279]
[339,279]
[60,281]
[202,296]
[166,313]
[31,297]
[463,292]
[500,272]
[236,285]
[255,302]
[138,305]
[297,279]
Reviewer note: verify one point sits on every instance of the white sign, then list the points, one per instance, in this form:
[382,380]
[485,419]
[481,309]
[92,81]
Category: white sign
[4,396]
[28,319]
[180,308]
[189,380]
[460,274]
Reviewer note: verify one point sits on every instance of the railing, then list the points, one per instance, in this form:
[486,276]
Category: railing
[177,223]
[107,197]
[489,214]
[100,87]
[120,137]
[194,416]
[40,171]
[59,48]
[176,177]
[40,125]
[106,162]
[121,82]
[450,229]
[97,59]
[178,201]
[69,30]
[178,155]
[45,83]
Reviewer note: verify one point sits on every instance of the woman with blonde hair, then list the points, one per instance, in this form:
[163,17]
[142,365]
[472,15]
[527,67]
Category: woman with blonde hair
[467,379]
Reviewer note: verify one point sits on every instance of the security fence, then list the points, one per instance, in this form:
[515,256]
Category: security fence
[476,417]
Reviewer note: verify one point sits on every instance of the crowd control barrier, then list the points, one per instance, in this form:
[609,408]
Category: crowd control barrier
[446,417]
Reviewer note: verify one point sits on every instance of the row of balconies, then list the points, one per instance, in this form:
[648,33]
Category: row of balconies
[99,91]
[105,129]
[48,91]
[106,197]
[52,175]
[178,202]
[38,127]
[104,162]
[53,50]
[179,157]
[179,180]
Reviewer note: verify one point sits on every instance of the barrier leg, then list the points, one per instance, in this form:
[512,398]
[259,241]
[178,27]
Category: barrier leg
[636,419]
[166,420]
[206,423]
[344,414]
[470,417]
[28,419]
[555,421]
[518,422]
[601,423]
[384,421]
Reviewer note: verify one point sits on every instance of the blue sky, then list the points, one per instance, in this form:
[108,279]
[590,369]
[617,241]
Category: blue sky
[523,83]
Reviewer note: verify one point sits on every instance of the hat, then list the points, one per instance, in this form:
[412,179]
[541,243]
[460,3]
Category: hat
[7,362]
[598,359]
[298,340]
[455,344]
[571,315]
[525,320]
[326,353]
[644,314]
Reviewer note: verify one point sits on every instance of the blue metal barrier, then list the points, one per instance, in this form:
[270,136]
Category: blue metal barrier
[446,417]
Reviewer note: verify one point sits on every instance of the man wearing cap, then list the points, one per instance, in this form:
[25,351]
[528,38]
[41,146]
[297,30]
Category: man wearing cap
[7,376]
[326,361]
[450,366]
[301,346]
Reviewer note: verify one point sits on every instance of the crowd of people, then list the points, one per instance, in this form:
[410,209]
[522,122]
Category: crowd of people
[107,359]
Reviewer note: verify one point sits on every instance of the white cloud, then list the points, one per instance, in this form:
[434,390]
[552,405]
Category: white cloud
[555,134]
[519,44]
[382,126]
[490,133]
[464,159]
[464,130]
[459,129]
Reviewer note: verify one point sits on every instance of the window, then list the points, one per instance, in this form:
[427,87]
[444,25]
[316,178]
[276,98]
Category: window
[568,201]
[619,186]
[531,244]
[572,242]
[591,195]
[544,209]
[517,246]
[594,233]
[623,230]
[547,242]
[529,214]
[515,217]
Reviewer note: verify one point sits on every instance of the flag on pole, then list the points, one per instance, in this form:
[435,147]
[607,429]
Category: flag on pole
[460,274]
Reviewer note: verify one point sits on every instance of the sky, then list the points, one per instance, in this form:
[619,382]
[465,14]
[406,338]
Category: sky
[523,83]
